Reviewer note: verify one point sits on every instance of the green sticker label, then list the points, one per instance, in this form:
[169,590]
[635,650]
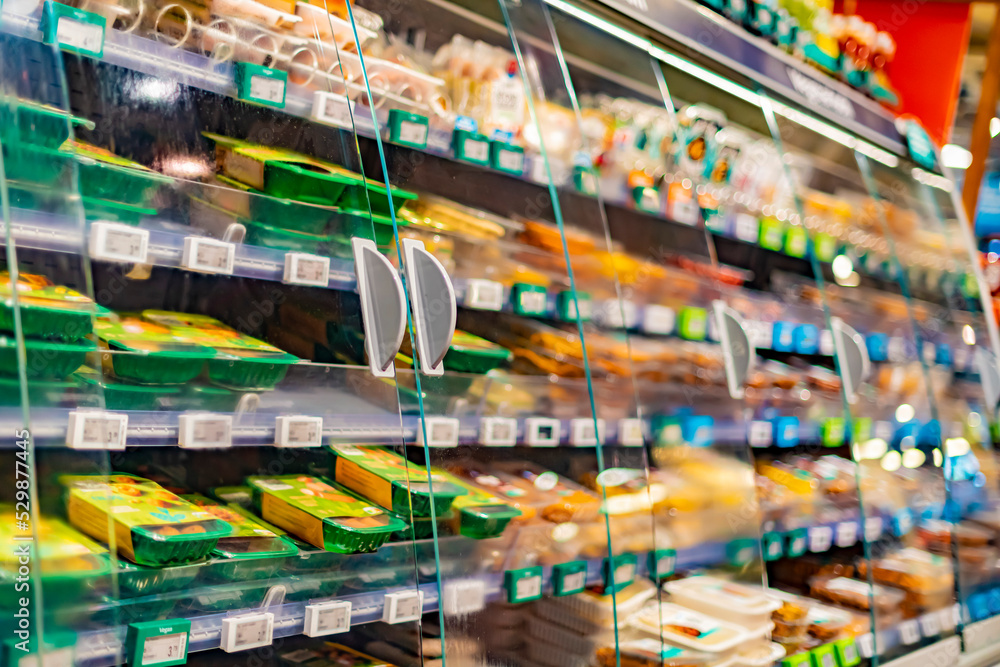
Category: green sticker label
[408,129]
[74,30]
[662,563]
[523,585]
[569,578]
[263,85]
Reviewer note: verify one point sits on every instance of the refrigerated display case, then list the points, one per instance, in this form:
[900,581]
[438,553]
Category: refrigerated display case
[513,333]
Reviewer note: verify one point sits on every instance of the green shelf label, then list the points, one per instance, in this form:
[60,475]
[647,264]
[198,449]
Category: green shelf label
[847,652]
[472,147]
[158,642]
[796,542]
[263,85]
[823,656]
[741,552]
[569,578]
[661,563]
[774,546]
[408,129]
[619,571]
[529,300]
[692,323]
[796,241]
[833,432]
[507,158]
[73,30]
[523,585]
[772,234]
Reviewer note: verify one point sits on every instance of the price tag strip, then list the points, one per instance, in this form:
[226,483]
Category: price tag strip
[463,597]
[305,269]
[205,431]
[327,618]
[208,255]
[240,633]
[403,606]
[115,242]
[542,431]
[498,431]
[96,430]
[298,431]
[440,432]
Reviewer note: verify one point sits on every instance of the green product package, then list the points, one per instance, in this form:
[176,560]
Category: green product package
[324,514]
[104,175]
[241,362]
[152,526]
[480,514]
[389,480]
[46,360]
[141,580]
[251,204]
[123,396]
[37,124]
[105,209]
[772,234]
[471,354]
[146,352]
[31,165]
[47,310]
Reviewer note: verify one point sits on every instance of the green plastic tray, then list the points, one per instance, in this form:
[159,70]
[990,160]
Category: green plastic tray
[38,124]
[106,209]
[263,234]
[66,324]
[41,393]
[374,195]
[45,359]
[121,396]
[141,580]
[206,397]
[286,214]
[102,180]
[157,368]
[34,165]
[471,354]
[360,224]
[248,372]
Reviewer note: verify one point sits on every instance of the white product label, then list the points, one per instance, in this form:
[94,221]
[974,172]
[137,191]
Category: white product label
[440,432]
[305,269]
[96,430]
[542,431]
[327,618]
[484,295]
[760,433]
[114,242]
[630,432]
[498,431]
[208,255]
[403,606]
[168,648]
[582,432]
[909,632]
[512,161]
[896,350]
[464,597]
[528,587]
[241,633]
[80,34]
[332,109]
[820,538]
[267,89]
[746,228]
[826,343]
[575,581]
[412,133]
[298,431]
[476,150]
[208,430]
[873,528]
[930,625]
[658,320]
[585,312]
[532,302]
[761,334]
[847,533]
[624,574]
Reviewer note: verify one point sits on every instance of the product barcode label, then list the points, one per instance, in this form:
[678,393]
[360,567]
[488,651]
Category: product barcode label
[332,109]
[847,533]
[208,255]
[305,269]
[412,133]
[168,648]
[267,89]
[760,433]
[439,431]
[198,431]
[498,431]
[484,295]
[820,538]
[909,632]
[512,161]
[115,242]
[96,430]
[476,150]
[327,618]
[630,432]
[298,431]
[80,35]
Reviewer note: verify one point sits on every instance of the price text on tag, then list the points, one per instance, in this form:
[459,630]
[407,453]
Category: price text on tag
[96,430]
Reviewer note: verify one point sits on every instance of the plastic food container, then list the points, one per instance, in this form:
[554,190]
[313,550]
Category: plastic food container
[690,629]
[38,124]
[589,612]
[149,353]
[856,594]
[152,526]
[241,362]
[46,360]
[138,580]
[533,490]
[325,515]
[791,621]
[104,175]
[828,623]
[122,396]
[250,204]
[471,354]
[387,479]
[479,514]
[47,310]
[748,606]
[270,236]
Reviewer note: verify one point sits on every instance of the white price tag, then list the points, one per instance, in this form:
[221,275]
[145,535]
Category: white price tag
[686,212]
[575,581]
[583,434]
[208,255]
[113,242]
[440,432]
[327,618]
[96,430]
[205,431]
[483,294]
[477,150]
[658,320]
[866,645]
[847,533]
[909,632]
[929,353]
[761,433]
[820,538]
[464,597]
[298,431]
[305,269]
[532,302]
[512,161]
[403,606]
[615,314]
[412,133]
[761,334]
[498,431]
[960,357]
[746,228]
[240,633]
[955,613]
[826,343]
[80,35]
[896,350]
[873,529]
[930,625]
[267,88]
[166,648]
[528,587]
[542,431]
[630,432]
[539,174]
[332,109]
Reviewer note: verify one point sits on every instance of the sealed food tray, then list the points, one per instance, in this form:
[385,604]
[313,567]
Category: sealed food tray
[33,165]
[46,360]
[479,514]
[159,527]
[47,310]
[106,209]
[748,606]
[123,396]
[251,204]
[691,629]
[322,513]
[856,594]
[104,175]
[38,124]
[600,609]
[140,580]
[270,236]
[145,352]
